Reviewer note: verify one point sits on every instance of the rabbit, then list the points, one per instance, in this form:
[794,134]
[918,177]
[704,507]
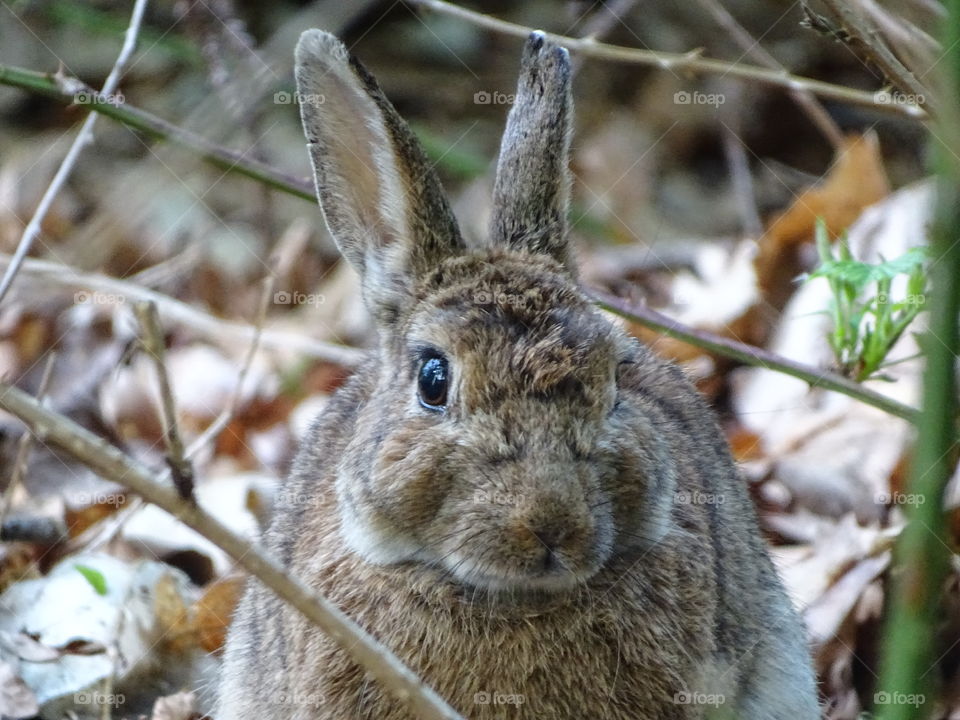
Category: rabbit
[540,517]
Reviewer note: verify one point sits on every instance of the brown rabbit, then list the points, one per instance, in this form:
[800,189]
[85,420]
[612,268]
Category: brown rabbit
[540,517]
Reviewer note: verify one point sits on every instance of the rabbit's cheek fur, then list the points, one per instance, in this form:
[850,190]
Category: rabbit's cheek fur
[646,479]
[391,483]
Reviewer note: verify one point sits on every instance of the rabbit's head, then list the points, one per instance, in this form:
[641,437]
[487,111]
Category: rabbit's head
[500,438]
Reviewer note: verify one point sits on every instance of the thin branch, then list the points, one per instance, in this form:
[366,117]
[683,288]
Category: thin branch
[912,42]
[753,356]
[84,138]
[113,464]
[25,446]
[691,62]
[751,47]
[223,419]
[177,311]
[601,22]
[742,182]
[152,340]
[220,157]
[866,41]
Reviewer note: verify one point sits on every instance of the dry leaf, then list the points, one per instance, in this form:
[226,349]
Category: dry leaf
[181,706]
[16,699]
[856,181]
[824,616]
[212,613]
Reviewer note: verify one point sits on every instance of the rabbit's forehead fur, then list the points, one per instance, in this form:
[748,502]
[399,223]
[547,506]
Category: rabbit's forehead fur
[514,323]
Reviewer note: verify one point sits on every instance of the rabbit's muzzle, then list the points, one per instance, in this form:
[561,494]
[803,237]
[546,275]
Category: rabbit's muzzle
[539,523]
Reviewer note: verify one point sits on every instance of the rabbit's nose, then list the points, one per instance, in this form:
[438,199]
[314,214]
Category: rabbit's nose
[550,537]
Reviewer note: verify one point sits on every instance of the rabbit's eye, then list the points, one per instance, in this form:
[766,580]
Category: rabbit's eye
[432,383]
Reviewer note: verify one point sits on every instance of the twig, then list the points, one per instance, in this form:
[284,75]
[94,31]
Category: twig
[911,41]
[111,463]
[753,356]
[227,160]
[84,138]
[152,340]
[223,419]
[865,39]
[601,22]
[691,62]
[751,47]
[176,311]
[742,181]
[25,446]
[922,559]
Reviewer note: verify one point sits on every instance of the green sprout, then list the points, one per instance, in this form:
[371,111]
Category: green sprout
[867,321]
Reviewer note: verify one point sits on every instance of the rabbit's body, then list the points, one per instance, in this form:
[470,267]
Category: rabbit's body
[533,512]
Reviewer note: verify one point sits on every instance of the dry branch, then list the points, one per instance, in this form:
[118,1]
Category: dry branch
[111,463]
[175,310]
[84,138]
[691,62]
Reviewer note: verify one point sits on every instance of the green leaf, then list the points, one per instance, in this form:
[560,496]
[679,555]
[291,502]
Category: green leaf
[94,577]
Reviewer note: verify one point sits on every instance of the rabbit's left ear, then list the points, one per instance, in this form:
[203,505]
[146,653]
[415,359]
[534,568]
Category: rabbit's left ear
[532,191]
[380,197]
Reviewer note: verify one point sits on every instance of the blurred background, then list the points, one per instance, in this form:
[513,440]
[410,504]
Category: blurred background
[694,193]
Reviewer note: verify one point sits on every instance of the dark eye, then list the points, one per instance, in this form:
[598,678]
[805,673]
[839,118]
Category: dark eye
[432,382]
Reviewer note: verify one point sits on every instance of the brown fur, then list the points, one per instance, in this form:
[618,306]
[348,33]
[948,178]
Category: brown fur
[568,537]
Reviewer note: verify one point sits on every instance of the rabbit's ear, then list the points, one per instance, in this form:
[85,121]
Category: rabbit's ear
[532,190]
[381,199]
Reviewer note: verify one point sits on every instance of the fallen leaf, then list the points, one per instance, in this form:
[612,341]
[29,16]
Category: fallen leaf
[856,181]
[214,610]
[16,699]
[181,706]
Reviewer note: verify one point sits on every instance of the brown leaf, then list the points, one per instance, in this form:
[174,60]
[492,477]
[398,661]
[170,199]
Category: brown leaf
[28,648]
[213,611]
[745,444]
[180,706]
[79,520]
[172,616]
[856,181]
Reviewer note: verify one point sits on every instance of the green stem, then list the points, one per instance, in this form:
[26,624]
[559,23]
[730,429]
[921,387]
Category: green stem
[922,556]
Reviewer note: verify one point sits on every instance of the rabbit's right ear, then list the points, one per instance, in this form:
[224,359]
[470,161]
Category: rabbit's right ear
[532,191]
[380,197]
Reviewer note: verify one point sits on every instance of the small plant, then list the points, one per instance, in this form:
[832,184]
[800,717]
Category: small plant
[867,321]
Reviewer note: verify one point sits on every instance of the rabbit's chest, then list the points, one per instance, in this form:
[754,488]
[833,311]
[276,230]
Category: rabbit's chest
[633,652]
